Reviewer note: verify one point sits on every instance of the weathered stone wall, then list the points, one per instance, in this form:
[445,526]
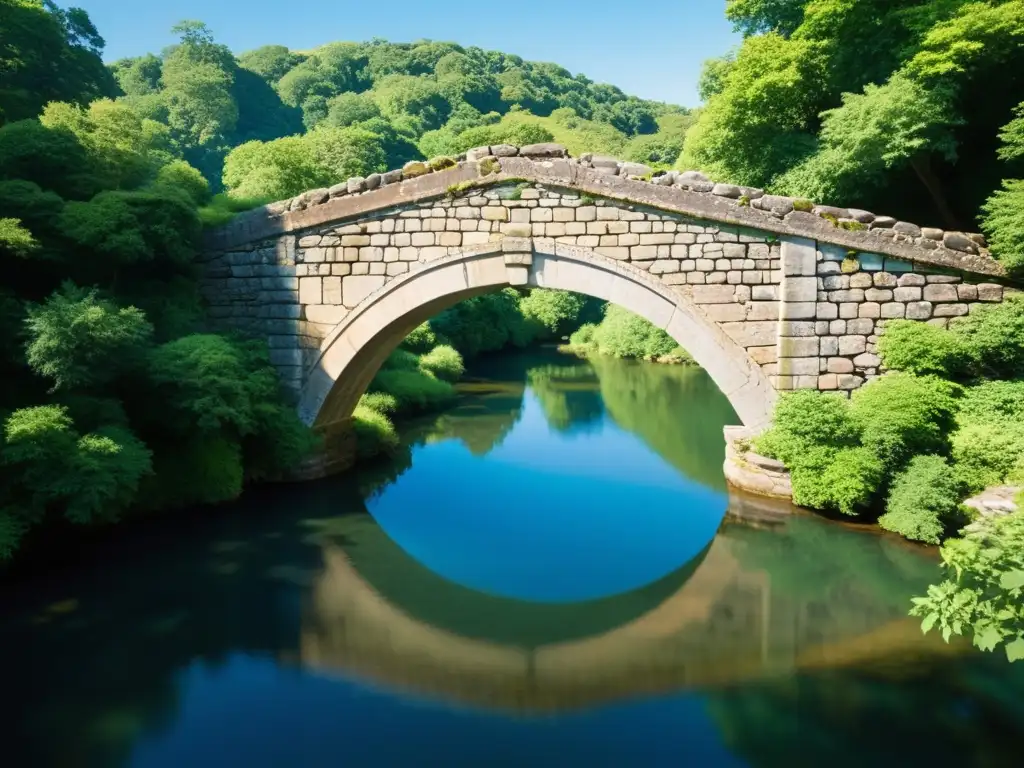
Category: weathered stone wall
[808,314]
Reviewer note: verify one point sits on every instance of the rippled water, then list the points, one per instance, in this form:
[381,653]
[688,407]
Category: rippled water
[551,573]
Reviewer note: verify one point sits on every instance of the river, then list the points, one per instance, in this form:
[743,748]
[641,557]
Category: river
[552,572]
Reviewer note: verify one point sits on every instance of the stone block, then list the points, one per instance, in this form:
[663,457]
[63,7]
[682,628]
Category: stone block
[798,310]
[967,292]
[331,290]
[941,293]
[867,360]
[878,295]
[751,334]
[869,309]
[799,257]
[355,288]
[861,280]
[884,280]
[849,310]
[990,292]
[950,310]
[911,279]
[852,294]
[837,328]
[826,311]
[764,292]
[860,326]
[852,345]
[800,328]
[829,345]
[499,213]
[310,290]
[840,365]
[763,310]
[726,313]
[663,266]
[893,310]
[799,289]
[910,293]
[764,355]
[828,382]
[542,214]
[919,310]
[849,381]
[798,366]
[713,294]
[798,347]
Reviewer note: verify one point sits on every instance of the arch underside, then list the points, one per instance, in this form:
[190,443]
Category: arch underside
[355,349]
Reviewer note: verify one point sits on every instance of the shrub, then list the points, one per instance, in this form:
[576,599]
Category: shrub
[375,434]
[444,363]
[923,349]
[624,334]
[987,453]
[900,415]
[78,340]
[805,420]
[843,480]
[202,470]
[422,339]
[414,391]
[553,312]
[400,360]
[994,336]
[984,594]
[379,402]
[584,335]
[924,501]
[992,402]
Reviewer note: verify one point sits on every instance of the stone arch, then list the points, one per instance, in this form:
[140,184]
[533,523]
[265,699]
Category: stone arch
[355,349]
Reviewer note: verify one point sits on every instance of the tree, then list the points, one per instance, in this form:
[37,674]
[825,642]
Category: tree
[79,341]
[271,62]
[48,54]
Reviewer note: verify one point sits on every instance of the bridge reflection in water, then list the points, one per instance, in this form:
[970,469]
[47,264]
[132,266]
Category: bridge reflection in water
[376,615]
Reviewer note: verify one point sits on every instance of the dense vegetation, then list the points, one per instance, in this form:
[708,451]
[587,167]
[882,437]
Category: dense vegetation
[883,103]
[272,123]
[622,333]
[945,422]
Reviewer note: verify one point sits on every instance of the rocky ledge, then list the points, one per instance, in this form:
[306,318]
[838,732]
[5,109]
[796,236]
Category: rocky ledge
[774,206]
[751,472]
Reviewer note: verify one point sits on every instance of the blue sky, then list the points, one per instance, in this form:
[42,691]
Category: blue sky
[651,48]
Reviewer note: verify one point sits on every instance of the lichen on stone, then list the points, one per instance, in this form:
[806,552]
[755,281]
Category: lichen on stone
[489,165]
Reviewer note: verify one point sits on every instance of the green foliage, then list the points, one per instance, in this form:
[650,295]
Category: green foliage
[554,313]
[844,480]
[986,453]
[205,469]
[923,349]
[375,434]
[223,207]
[994,334]
[422,339]
[15,239]
[1003,223]
[900,415]
[379,402]
[584,335]
[984,593]
[924,501]
[79,340]
[804,420]
[181,177]
[992,402]
[624,334]
[484,324]
[444,362]
[413,390]
[48,54]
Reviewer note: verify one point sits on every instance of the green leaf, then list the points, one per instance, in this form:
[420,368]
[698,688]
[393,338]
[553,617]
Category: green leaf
[929,622]
[1012,580]
[988,638]
[1015,650]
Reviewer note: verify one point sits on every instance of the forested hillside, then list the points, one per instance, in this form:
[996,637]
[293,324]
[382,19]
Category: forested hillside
[271,122]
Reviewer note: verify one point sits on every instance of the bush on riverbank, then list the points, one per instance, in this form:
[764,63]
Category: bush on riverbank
[624,334]
[924,504]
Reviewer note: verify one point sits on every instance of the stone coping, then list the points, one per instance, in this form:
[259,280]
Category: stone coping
[684,193]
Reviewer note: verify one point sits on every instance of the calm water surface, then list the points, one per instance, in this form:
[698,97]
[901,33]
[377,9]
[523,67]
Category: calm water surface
[551,573]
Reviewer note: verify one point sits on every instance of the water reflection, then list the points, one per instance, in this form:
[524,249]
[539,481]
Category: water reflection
[291,629]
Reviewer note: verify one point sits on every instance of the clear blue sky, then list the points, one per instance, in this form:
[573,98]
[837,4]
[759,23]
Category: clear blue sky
[651,48]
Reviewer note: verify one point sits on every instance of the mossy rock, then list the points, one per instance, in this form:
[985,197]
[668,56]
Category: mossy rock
[852,226]
[850,264]
[440,163]
[803,205]
[489,165]
[415,168]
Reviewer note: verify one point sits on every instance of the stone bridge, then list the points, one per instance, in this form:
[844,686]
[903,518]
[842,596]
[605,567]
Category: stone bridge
[767,293]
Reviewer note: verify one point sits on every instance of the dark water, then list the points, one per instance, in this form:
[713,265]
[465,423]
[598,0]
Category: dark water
[552,573]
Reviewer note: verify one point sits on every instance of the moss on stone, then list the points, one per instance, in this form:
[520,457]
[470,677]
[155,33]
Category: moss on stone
[587,200]
[440,163]
[803,205]
[414,168]
[743,202]
[454,190]
[830,218]
[489,165]
[850,264]
[852,226]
